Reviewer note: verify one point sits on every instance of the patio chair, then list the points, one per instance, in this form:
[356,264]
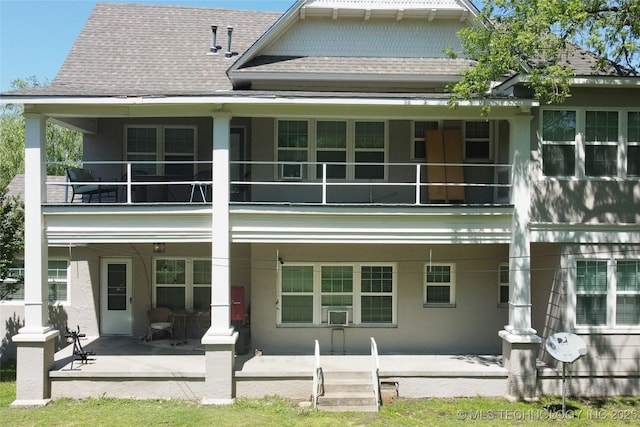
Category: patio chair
[160,321]
[202,180]
[84,178]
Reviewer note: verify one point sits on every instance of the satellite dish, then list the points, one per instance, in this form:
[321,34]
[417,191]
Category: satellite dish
[566,347]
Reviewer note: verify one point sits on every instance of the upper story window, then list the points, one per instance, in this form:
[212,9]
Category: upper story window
[477,141]
[164,150]
[350,149]
[57,275]
[607,293]
[601,143]
[559,147]
[633,143]
[419,140]
[590,143]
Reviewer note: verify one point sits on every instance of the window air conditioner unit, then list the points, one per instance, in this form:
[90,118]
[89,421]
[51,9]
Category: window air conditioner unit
[291,171]
[338,317]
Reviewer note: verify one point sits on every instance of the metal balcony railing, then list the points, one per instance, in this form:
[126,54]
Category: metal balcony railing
[316,183]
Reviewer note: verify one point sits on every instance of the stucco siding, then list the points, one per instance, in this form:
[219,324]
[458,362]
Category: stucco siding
[419,329]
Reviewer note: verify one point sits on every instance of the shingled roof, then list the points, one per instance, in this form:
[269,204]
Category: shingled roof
[148,50]
[135,50]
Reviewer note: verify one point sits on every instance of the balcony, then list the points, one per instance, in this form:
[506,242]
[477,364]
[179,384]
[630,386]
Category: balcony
[299,183]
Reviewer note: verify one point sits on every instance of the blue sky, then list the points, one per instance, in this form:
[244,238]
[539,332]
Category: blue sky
[36,35]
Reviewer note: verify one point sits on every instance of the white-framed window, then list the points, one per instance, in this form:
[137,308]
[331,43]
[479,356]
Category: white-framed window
[352,149]
[293,148]
[633,143]
[477,141]
[308,293]
[559,142]
[419,145]
[590,143]
[439,289]
[601,143]
[182,283]
[57,278]
[171,148]
[606,293]
[503,285]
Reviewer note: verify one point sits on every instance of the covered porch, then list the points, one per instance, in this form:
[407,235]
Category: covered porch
[126,367]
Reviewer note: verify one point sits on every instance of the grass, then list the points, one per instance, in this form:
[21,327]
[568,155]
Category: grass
[273,411]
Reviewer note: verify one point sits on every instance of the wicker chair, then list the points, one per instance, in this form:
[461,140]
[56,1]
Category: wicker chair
[160,321]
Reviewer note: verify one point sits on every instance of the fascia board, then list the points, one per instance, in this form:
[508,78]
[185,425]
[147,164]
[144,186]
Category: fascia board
[290,17]
[274,99]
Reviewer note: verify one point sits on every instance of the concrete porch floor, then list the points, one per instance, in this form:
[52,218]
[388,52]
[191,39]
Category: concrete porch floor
[129,367]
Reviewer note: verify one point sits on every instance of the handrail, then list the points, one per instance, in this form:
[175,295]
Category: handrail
[375,371]
[318,376]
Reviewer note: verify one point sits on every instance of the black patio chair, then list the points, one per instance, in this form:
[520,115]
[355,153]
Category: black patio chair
[85,179]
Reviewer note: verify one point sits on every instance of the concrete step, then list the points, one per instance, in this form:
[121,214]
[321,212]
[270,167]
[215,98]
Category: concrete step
[347,391]
[346,399]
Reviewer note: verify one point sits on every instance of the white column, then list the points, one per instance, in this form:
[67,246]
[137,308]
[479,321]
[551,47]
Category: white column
[520,343]
[220,290]
[35,341]
[35,240]
[520,247]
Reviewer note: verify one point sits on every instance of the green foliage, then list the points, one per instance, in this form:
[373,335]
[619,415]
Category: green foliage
[63,145]
[11,240]
[534,36]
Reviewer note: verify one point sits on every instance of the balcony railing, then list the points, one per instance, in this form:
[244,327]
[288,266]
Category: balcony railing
[294,183]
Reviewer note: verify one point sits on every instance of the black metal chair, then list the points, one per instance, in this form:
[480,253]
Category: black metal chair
[85,179]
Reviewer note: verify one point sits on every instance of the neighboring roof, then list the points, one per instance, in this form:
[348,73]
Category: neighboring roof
[55,192]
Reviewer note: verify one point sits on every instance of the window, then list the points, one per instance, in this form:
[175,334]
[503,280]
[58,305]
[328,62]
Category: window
[591,292]
[440,285]
[350,149]
[477,141]
[601,143]
[175,145]
[293,144]
[633,143]
[57,274]
[369,148]
[590,143]
[503,285]
[558,149]
[607,293]
[182,284]
[627,292]
[297,294]
[15,274]
[308,293]
[419,143]
[376,298]
[331,147]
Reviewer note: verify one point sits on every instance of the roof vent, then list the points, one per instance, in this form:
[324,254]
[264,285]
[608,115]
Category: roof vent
[229,53]
[214,47]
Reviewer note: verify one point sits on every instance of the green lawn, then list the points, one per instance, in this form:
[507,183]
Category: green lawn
[280,412]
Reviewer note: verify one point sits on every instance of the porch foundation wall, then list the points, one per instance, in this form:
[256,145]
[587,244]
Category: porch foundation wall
[588,386]
[424,387]
[288,388]
[122,388]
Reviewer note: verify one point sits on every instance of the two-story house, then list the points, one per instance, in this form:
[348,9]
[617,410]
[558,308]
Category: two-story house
[309,164]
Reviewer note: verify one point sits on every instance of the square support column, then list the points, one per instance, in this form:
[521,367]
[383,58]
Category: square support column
[520,343]
[220,340]
[36,340]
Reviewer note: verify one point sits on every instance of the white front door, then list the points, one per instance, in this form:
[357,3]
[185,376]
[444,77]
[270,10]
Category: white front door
[115,296]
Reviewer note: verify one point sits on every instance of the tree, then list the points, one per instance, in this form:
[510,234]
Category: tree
[11,241]
[535,36]
[63,145]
